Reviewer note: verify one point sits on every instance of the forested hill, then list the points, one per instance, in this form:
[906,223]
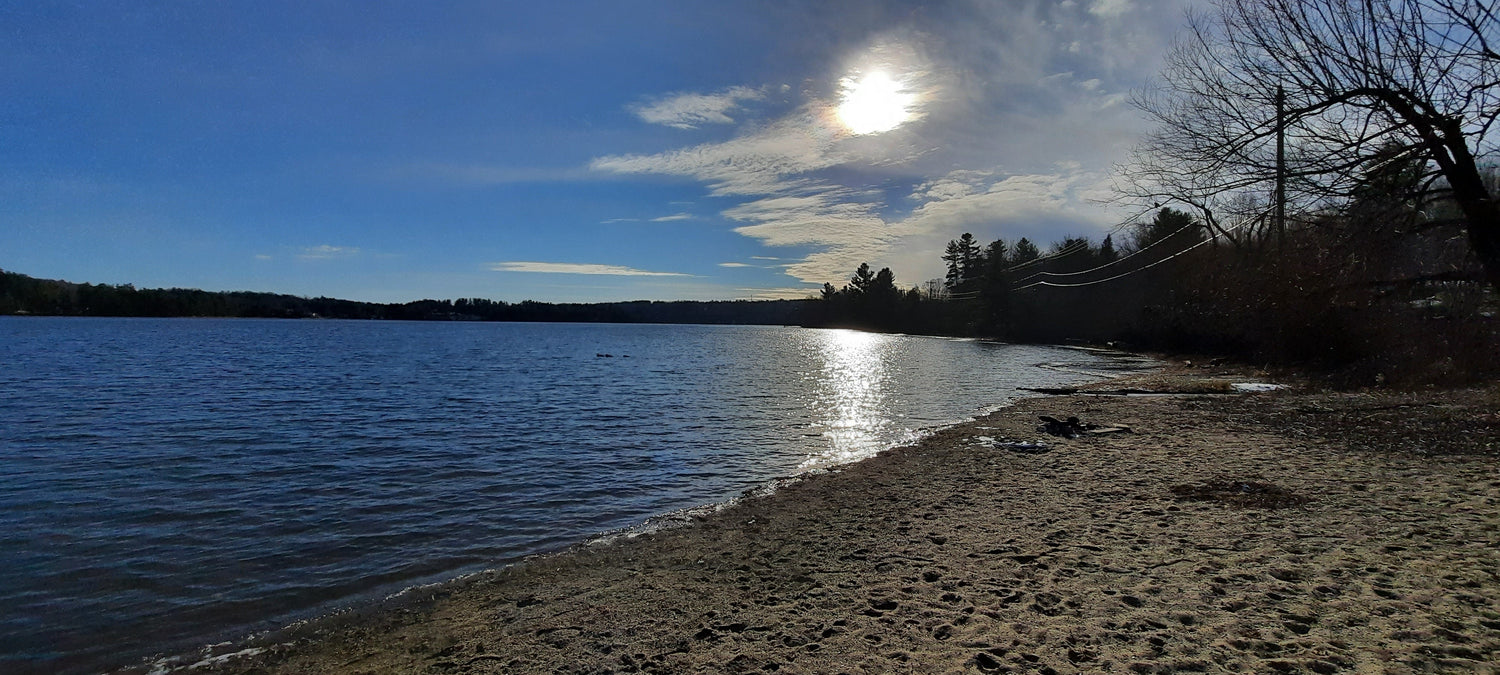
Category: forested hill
[21,294]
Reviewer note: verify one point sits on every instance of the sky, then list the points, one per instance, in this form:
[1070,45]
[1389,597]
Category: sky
[561,152]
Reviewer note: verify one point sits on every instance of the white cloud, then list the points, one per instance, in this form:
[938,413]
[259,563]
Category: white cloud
[325,252]
[1021,121]
[578,268]
[1011,198]
[689,110]
[673,218]
[758,162]
[734,264]
[1110,8]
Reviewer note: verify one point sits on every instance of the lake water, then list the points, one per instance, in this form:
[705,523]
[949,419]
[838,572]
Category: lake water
[169,483]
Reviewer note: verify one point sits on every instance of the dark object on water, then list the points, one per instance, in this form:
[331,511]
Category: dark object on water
[1073,427]
[1241,493]
[604,356]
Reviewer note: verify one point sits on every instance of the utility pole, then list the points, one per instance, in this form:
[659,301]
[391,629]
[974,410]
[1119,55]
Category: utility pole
[1280,168]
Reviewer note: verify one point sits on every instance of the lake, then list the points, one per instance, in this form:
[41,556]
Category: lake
[168,483]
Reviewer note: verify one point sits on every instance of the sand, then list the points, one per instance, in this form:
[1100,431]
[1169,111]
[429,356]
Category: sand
[1290,531]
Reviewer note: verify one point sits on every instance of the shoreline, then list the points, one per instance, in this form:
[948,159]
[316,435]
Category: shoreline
[959,555]
[393,599]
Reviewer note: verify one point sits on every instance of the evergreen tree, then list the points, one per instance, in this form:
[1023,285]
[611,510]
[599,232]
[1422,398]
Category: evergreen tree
[994,289]
[1072,254]
[1107,253]
[862,280]
[963,257]
[1024,252]
[1178,228]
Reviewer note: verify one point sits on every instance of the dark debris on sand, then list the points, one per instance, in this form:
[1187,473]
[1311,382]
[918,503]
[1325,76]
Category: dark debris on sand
[1242,493]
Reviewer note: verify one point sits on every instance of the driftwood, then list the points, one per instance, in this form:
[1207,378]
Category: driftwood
[1073,428]
[1069,391]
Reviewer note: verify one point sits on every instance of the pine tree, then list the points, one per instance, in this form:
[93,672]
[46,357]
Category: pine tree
[1024,252]
[963,257]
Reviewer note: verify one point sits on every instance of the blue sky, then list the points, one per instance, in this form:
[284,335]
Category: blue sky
[575,151]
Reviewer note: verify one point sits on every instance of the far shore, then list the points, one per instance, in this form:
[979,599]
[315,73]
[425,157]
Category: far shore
[1287,531]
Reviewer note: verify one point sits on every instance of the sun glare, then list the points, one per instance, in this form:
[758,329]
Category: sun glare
[874,103]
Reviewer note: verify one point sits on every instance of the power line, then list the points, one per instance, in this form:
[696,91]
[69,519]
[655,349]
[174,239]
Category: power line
[1075,247]
[1148,247]
[1065,251]
[1138,269]
[1069,250]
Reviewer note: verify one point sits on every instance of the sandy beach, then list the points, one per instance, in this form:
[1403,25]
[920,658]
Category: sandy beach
[1291,531]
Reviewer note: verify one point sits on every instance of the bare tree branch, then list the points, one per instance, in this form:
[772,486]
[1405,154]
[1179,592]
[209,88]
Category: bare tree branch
[1370,85]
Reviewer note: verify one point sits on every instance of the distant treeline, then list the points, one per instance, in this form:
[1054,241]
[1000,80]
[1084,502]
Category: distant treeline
[21,294]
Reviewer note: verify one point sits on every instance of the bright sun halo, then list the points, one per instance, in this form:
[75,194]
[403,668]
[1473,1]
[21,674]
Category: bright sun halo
[874,103]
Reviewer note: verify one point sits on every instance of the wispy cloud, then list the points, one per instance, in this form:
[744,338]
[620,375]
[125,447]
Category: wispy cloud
[690,110]
[578,268]
[777,166]
[763,160]
[734,264]
[673,218]
[325,252]
[262,256]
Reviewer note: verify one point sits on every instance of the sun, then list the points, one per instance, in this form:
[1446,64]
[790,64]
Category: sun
[874,103]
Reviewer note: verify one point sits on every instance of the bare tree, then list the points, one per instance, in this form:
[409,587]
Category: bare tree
[1367,84]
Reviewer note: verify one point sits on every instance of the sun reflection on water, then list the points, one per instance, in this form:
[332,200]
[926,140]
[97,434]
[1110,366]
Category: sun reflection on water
[851,402]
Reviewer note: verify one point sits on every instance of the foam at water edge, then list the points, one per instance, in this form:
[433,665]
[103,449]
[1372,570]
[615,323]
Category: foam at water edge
[435,584]
[169,664]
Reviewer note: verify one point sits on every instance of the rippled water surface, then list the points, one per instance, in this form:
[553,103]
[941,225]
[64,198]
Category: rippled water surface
[167,483]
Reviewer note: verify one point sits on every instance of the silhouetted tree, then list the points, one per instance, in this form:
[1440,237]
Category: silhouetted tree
[1363,81]
[1024,252]
[963,258]
[994,290]
[862,280]
[1176,230]
[1107,253]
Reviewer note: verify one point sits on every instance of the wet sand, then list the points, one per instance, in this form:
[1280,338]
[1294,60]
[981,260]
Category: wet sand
[1307,532]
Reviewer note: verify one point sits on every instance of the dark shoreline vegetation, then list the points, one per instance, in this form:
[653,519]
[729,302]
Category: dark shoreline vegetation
[1376,293]
[21,294]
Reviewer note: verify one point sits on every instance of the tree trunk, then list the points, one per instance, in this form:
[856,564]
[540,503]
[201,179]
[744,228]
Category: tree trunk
[1458,165]
[1484,237]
